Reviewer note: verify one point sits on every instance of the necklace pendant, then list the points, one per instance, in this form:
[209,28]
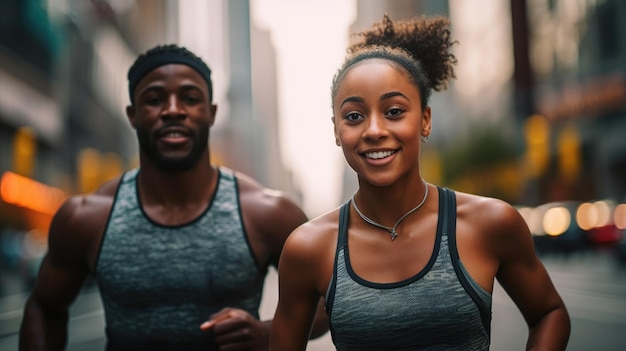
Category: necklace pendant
[394,235]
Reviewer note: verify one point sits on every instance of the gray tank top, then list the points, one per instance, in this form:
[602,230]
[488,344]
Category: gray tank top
[440,308]
[159,283]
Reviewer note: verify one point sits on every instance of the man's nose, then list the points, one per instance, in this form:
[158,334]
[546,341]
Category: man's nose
[174,108]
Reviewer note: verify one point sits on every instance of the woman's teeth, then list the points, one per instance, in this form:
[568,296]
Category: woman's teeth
[379,154]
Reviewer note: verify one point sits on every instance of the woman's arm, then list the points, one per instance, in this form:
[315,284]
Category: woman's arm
[298,297]
[525,279]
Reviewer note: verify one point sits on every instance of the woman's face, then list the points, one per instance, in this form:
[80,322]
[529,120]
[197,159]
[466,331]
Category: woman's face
[378,121]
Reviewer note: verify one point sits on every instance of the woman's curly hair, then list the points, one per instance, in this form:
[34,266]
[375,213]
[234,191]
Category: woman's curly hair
[419,45]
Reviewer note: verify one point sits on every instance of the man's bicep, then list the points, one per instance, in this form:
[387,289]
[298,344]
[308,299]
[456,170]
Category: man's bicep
[58,283]
[63,269]
[285,217]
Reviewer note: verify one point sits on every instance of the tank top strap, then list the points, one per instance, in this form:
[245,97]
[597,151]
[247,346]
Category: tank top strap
[446,223]
[482,301]
[226,172]
[447,208]
[342,235]
[344,220]
[130,174]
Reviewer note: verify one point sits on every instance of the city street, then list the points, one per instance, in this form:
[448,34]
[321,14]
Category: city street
[517,102]
[593,285]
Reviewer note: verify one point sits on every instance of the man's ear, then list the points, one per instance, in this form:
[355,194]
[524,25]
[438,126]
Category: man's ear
[213,110]
[337,142]
[130,114]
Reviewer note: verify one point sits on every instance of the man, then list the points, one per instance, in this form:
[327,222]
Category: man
[171,243]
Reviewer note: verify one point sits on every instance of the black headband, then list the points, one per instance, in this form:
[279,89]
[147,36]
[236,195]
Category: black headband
[141,68]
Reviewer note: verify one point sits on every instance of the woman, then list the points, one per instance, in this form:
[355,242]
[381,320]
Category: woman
[407,265]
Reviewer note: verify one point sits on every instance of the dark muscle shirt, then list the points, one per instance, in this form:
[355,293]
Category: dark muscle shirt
[159,283]
[439,308]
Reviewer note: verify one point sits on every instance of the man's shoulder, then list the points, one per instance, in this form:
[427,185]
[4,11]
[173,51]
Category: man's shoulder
[86,210]
[77,227]
[269,210]
[251,189]
[244,181]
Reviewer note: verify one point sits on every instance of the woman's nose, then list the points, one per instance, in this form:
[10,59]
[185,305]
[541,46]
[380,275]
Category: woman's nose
[376,127]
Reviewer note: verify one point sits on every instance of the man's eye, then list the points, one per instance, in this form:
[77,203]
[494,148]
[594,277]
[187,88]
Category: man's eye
[191,99]
[152,100]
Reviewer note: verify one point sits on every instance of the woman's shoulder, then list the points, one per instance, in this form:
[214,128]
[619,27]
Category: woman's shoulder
[320,228]
[484,207]
[314,237]
[493,215]
[493,219]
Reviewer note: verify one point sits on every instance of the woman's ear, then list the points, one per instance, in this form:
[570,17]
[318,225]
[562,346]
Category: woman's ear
[337,142]
[426,122]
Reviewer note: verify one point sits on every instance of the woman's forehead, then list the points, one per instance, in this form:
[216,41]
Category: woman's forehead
[376,72]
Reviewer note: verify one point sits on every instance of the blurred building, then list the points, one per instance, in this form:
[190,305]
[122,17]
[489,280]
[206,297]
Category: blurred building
[248,140]
[63,93]
[64,89]
[474,116]
[578,53]
[538,109]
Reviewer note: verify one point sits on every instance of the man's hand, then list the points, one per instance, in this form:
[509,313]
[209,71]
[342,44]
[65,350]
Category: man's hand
[236,329]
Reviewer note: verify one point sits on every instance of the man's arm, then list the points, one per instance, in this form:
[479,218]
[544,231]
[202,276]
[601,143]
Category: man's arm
[283,216]
[269,218]
[61,276]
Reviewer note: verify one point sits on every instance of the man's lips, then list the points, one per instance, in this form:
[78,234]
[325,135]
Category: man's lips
[173,135]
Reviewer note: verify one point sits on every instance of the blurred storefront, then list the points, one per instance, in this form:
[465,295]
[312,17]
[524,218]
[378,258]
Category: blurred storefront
[578,55]
[538,110]
[62,95]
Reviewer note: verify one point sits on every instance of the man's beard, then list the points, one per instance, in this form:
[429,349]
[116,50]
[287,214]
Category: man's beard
[173,164]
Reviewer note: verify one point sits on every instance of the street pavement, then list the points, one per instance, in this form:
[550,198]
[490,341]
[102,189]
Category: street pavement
[592,284]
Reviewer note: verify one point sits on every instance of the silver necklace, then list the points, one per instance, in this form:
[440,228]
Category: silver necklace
[392,230]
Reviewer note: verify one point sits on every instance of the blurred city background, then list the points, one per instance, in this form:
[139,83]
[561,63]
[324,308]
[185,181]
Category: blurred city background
[536,116]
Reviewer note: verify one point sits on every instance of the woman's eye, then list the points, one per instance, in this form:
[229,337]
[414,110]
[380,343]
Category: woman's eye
[353,116]
[395,112]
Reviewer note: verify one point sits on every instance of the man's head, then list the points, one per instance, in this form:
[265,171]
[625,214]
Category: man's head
[171,109]
[164,55]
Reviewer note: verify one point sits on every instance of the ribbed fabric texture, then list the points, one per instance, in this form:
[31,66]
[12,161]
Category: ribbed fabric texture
[159,283]
[434,310]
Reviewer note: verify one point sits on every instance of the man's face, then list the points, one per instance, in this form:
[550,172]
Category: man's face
[172,115]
